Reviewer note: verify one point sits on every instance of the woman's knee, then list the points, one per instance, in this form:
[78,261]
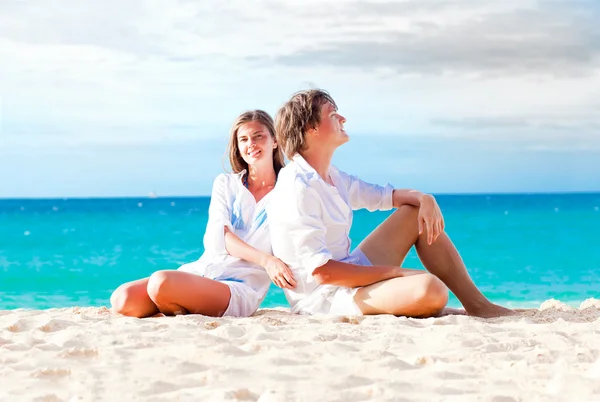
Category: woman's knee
[117,299]
[123,299]
[159,285]
[432,294]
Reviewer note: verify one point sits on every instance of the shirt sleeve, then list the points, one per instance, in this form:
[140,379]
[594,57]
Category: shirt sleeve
[219,217]
[298,232]
[366,195]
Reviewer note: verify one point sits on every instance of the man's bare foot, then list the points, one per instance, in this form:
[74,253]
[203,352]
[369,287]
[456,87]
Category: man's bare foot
[451,311]
[491,310]
[526,312]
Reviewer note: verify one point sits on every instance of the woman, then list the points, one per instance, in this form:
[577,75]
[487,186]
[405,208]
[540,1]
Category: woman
[232,276]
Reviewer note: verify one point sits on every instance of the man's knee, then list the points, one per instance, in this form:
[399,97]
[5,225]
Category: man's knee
[407,212]
[432,294]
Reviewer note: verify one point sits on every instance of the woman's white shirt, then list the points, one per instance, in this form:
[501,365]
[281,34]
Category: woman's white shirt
[233,206]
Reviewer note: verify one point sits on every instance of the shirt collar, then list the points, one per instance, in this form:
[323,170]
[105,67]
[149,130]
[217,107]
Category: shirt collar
[240,176]
[303,164]
[307,168]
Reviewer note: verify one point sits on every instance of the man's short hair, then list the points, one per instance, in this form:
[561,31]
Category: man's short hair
[298,115]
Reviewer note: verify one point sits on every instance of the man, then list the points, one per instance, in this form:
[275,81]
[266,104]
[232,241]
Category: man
[310,214]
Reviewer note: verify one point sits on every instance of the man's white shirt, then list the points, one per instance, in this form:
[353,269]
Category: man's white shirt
[310,222]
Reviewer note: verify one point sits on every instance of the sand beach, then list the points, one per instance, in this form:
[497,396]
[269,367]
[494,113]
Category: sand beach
[90,354]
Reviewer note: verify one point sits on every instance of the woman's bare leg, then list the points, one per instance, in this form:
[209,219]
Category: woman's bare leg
[178,292]
[416,294]
[390,242]
[132,299]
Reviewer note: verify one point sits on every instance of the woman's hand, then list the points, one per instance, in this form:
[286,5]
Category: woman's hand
[430,218]
[279,273]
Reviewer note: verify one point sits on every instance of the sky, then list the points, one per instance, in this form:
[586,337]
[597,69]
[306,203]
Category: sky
[113,98]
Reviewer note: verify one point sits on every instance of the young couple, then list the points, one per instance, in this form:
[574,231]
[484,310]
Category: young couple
[296,233]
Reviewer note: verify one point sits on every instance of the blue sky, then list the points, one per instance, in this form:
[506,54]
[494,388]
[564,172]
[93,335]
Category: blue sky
[125,98]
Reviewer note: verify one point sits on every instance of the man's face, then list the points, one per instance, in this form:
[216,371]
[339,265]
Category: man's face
[330,129]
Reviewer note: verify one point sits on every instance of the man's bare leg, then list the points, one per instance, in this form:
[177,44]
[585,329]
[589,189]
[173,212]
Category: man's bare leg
[416,294]
[390,242]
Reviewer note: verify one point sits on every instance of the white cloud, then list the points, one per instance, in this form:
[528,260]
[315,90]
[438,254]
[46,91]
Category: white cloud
[125,72]
[534,38]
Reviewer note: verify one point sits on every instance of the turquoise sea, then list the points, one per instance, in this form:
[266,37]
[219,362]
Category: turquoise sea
[520,249]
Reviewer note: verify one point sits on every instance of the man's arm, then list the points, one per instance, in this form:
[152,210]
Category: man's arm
[407,197]
[374,197]
[352,275]
[430,216]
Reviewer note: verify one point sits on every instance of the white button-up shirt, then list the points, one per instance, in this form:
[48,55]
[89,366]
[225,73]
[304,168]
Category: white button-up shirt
[310,223]
[233,206]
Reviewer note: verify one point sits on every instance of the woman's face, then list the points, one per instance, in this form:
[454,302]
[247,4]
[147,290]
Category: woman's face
[255,143]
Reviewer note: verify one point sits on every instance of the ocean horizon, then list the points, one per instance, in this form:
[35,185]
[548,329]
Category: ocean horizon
[520,248]
[153,195]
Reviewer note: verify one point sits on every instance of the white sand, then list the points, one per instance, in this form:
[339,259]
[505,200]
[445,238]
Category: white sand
[91,354]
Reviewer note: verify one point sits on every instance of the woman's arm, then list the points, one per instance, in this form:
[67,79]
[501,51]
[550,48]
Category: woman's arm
[279,273]
[219,215]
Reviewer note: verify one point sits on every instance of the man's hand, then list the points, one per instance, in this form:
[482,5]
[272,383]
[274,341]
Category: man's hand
[280,274]
[430,218]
